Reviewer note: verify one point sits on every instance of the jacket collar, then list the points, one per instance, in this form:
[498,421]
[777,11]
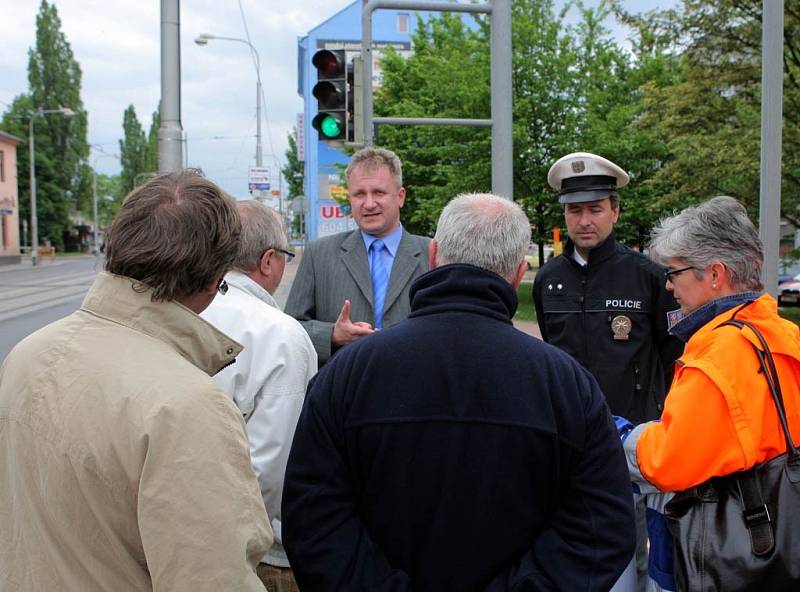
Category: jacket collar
[460,287]
[782,336]
[127,302]
[687,326]
[243,282]
[600,253]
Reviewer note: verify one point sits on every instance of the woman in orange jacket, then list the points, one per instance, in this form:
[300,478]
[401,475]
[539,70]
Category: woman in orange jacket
[719,416]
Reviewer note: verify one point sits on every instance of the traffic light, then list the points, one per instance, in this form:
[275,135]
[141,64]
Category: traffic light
[331,94]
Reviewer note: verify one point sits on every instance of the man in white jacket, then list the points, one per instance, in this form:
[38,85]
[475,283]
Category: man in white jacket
[268,381]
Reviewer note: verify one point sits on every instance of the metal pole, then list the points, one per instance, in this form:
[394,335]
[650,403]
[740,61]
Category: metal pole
[94,210]
[501,90]
[769,223]
[502,127]
[258,116]
[366,69]
[170,133]
[34,220]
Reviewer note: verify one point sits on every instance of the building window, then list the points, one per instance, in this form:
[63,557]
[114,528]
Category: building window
[2,166]
[402,23]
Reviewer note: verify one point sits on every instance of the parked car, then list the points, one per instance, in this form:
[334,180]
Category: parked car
[532,258]
[789,292]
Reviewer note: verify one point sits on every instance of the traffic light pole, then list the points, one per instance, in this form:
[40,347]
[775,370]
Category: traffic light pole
[769,219]
[501,124]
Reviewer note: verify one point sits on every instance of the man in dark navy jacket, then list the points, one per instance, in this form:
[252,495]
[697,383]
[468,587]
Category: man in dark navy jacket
[452,452]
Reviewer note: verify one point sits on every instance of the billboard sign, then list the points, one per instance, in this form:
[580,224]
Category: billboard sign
[258,179]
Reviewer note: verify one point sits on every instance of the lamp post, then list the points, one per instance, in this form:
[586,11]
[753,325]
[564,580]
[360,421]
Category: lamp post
[94,194]
[34,221]
[203,39]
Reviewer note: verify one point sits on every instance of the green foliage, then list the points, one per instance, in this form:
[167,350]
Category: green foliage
[132,150]
[525,310]
[63,182]
[138,153]
[109,197]
[447,76]
[709,120]
[151,160]
[574,89]
[294,168]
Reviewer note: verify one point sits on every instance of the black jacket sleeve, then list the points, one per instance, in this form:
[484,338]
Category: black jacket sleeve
[327,544]
[592,536]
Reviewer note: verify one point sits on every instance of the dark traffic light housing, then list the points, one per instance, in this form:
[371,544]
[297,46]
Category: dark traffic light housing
[331,94]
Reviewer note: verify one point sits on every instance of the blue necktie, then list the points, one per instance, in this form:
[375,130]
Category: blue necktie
[380,279]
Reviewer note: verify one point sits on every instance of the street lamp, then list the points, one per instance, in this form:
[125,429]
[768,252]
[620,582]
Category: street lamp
[65,111]
[203,39]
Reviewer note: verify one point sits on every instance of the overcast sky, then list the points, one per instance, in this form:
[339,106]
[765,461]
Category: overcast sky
[117,44]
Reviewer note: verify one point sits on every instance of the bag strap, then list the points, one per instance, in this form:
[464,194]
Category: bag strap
[756,514]
[771,374]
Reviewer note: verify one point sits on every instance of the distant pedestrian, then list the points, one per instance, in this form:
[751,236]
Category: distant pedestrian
[123,466]
[353,282]
[453,452]
[268,381]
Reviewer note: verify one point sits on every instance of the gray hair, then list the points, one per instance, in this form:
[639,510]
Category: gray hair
[372,158]
[262,229]
[484,230]
[717,230]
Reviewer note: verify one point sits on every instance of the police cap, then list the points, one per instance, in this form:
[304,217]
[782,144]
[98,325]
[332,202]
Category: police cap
[582,176]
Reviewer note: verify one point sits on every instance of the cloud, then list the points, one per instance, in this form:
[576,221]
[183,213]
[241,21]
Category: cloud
[117,44]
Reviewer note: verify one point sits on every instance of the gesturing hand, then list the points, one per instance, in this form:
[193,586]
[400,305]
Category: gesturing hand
[345,330]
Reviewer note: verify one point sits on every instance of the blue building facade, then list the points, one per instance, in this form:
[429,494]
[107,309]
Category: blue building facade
[323,162]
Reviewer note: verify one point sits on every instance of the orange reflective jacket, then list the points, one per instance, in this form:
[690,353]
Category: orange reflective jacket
[719,417]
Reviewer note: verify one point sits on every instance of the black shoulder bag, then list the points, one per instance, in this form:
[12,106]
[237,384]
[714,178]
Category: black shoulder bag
[742,531]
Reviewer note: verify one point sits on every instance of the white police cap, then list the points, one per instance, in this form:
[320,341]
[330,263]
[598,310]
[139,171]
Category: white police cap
[582,176]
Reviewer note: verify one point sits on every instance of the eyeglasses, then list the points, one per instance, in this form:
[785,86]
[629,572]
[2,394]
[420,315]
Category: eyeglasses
[671,273]
[222,287]
[288,254]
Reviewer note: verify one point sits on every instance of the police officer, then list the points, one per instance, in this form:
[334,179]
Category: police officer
[601,302]
[606,305]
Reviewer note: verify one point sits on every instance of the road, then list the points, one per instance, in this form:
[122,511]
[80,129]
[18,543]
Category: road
[32,297]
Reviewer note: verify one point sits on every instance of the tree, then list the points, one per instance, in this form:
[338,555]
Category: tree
[132,150]
[54,78]
[151,160]
[574,89]
[109,197]
[294,168]
[447,76]
[710,121]
[293,172]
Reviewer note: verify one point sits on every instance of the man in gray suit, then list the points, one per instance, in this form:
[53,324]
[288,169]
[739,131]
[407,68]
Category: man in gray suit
[341,277]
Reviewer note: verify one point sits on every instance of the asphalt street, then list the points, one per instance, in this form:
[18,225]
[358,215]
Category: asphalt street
[32,297]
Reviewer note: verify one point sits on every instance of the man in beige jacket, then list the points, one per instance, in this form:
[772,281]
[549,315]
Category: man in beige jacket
[123,466]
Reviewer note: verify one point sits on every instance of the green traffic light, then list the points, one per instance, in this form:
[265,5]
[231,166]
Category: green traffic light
[330,127]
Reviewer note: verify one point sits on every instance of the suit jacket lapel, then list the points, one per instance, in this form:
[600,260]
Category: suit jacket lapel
[354,258]
[405,262]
